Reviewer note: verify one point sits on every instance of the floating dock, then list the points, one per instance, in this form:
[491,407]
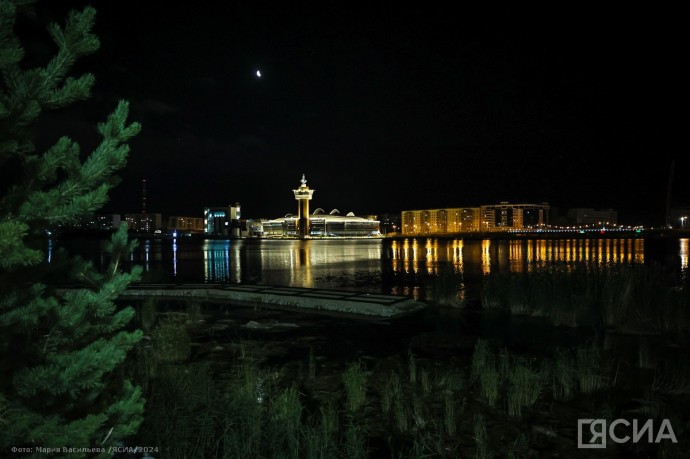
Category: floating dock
[308,299]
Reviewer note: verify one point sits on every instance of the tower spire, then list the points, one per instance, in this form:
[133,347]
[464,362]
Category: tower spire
[303,196]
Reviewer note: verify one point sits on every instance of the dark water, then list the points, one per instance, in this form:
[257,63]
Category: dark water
[383,266]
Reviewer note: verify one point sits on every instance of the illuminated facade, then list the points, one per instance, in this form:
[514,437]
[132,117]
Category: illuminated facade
[316,225]
[303,195]
[186,224]
[503,216]
[143,222]
[440,221]
[321,225]
[223,221]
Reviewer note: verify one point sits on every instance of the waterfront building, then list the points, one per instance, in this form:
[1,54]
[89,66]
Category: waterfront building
[101,222]
[186,224]
[506,216]
[318,224]
[144,222]
[303,195]
[440,221]
[499,217]
[224,221]
[321,225]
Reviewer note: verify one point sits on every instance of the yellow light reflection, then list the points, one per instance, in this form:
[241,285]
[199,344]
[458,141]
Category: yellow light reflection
[395,254]
[515,260]
[600,251]
[541,251]
[457,246]
[486,256]
[300,264]
[531,253]
[415,251]
[432,256]
[639,251]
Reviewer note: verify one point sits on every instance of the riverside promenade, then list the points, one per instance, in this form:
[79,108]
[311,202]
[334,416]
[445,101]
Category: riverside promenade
[306,299]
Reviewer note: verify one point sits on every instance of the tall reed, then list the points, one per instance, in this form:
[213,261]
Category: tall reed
[355,381]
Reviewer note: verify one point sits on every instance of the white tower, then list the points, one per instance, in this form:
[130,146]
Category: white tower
[303,196]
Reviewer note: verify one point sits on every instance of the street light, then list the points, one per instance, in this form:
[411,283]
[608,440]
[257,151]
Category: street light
[682,221]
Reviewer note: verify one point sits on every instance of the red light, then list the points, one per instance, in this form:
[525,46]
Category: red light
[602,231]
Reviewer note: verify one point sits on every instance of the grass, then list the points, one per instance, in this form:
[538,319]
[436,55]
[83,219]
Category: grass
[193,311]
[449,421]
[284,426]
[355,381]
[391,391]
[563,376]
[484,370]
[400,414]
[481,358]
[525,385]
[412,367]
[480,437]
[591,377]
[170,341]
[312,364]
[355,440]
[254,415]
[632,298]
[259,413]
[147,313]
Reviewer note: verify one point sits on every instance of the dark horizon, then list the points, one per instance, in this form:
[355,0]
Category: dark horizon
[385,109]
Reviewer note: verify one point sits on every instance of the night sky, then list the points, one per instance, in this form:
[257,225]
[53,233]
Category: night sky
[387,108]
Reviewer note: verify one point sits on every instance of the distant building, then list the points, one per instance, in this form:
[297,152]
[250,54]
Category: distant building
[316,225]
[506,216]
[186,224]
[143,222]
[582,216]
[440,221]
[390,223]
[321,224]
[503,216]
[223,221]
[102,222]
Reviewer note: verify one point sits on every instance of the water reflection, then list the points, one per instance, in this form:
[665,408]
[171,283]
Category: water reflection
[174,249]
[514,255]
[401,266]
[304,263]
[216,260]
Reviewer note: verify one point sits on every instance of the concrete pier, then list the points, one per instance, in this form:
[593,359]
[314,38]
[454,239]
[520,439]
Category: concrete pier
[316,300]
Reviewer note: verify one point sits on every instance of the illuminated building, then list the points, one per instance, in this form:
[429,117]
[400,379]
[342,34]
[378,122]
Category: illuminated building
[101,222]
[143,222]
[503,216]
[186,224]
[223,221]
[440,221]
[303,195]
[317,225]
